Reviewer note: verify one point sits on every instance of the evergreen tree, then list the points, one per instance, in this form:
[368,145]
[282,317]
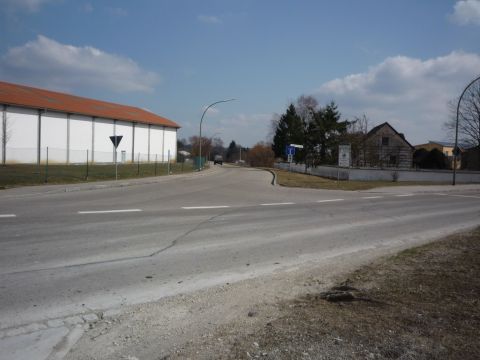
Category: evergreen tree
[326,132]
[231,152]
[289,131]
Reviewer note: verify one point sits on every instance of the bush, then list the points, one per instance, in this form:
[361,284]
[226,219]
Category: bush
[261,155]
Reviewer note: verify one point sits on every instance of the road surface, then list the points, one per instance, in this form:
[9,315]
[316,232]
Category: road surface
[65,253]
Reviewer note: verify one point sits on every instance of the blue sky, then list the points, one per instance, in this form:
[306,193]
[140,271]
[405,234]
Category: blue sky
[397,61]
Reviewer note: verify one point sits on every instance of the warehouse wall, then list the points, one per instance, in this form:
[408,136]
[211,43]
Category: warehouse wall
[156,142]
[80,138]
[22,127]
[69,137]
[170,143]
[54,135]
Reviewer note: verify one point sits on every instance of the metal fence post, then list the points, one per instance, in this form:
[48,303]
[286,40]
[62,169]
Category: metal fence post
[156,155]
[138,164]
[86,177]
[168,168]
[46,168]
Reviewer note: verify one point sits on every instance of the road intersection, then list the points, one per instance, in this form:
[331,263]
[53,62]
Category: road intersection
[76,254]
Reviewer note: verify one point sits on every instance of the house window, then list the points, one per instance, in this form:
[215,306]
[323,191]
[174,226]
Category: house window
[393,160]
[385,141]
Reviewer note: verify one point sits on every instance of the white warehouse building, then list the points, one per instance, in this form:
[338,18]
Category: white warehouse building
[74,128]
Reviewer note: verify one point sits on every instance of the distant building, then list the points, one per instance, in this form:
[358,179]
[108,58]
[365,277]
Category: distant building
[446,148]
[385,147]
[71,127]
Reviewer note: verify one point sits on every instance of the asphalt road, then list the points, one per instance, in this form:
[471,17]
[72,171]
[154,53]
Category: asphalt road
[76,252]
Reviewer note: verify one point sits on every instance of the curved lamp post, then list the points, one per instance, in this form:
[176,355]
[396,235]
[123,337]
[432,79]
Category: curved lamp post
[455,149]
[201,120]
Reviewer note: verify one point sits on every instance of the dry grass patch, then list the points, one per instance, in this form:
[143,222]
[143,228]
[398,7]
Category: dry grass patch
[291,179]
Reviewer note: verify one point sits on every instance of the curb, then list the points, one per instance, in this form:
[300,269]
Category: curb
[274,180]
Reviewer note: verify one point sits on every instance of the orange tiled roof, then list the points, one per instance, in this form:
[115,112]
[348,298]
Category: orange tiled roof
[20,95]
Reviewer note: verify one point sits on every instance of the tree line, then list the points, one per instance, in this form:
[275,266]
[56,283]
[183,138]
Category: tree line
[319,129]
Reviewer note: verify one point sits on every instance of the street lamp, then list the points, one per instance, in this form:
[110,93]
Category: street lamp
[201,120]
[456,151]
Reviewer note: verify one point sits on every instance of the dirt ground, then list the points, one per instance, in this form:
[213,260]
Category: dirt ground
[422,303]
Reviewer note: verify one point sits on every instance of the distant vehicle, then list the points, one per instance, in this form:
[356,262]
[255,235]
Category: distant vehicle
[218,159]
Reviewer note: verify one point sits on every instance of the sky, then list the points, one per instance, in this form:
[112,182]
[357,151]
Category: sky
[400,61]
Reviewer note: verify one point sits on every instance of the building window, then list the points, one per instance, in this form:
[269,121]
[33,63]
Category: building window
[393,160]
[385,141]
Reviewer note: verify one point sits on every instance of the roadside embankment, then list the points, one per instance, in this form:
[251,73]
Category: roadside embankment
[422,303]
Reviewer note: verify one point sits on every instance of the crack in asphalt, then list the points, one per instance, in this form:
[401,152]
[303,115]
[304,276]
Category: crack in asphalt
[129,258]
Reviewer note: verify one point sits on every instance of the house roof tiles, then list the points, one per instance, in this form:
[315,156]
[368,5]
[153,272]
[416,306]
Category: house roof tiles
[26,96]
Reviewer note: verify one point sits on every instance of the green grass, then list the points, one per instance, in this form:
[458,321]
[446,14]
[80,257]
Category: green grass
[13,175]
[291,179]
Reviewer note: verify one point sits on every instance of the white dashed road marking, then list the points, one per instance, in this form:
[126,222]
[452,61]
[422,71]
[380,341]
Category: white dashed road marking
[329,200]
[7,215]
[277,204]
[404,195]
[110,211]
[205,207]
[467,196]
[372,197]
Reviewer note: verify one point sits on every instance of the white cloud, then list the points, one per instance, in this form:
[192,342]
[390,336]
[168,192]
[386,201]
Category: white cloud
[117,11]
[29,5]
[47,63]
[412,94]
[88,7]
[245,129]
[466,12]
[209,19]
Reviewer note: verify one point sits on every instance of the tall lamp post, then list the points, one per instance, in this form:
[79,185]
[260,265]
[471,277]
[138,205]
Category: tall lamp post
[200,138]
[456,151]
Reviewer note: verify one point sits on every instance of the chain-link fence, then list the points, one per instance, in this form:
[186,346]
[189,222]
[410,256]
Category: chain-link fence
[54,166]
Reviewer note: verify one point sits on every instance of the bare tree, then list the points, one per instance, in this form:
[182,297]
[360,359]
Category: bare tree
[261,155]
[468,116]
[306,105]
[356,136]
[206,145]
[273,127]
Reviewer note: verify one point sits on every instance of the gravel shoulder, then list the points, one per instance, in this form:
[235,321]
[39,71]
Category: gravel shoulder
[422,303]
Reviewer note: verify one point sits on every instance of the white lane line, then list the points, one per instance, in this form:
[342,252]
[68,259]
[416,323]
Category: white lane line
[440,194]
[467,196]
[205,207]
[277,204]
[404,195]
[109,211]
[372,197]
[7,215]
[329,200]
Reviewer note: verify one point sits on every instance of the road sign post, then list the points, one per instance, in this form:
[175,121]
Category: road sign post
[116,141]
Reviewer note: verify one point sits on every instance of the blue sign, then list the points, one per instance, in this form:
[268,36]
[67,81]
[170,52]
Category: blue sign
[290,150]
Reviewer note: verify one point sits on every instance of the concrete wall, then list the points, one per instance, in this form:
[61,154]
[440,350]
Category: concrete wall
[70,136]
[23,129]
[80,138]
[124,129]
[156,142]
[384,174]
[170,143]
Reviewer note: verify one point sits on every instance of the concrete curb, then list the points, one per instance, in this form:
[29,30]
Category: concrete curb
[274,180]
